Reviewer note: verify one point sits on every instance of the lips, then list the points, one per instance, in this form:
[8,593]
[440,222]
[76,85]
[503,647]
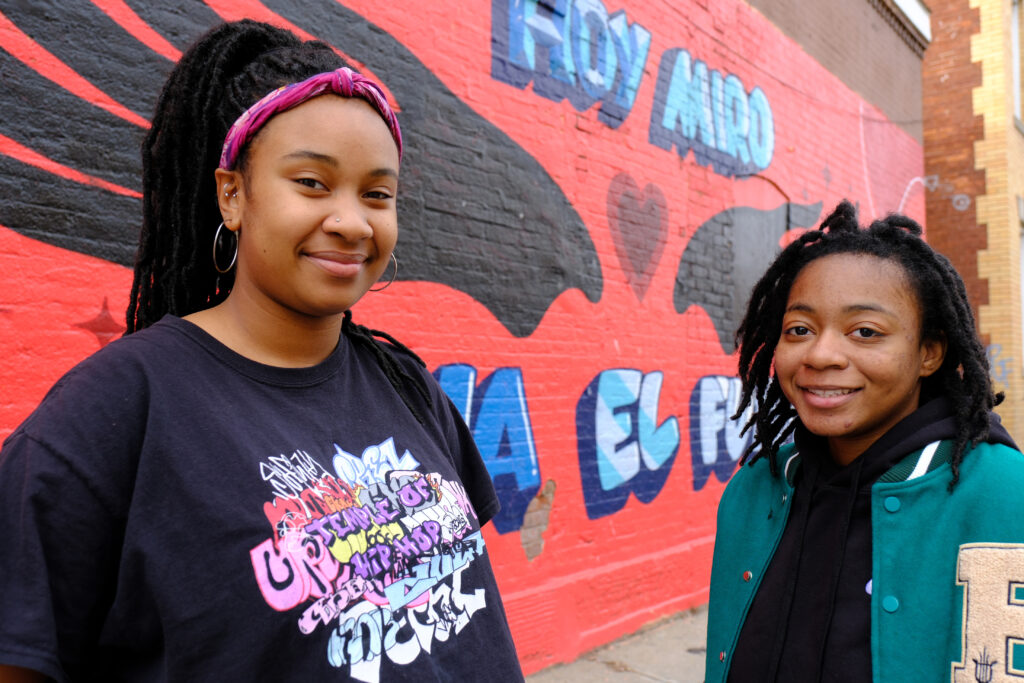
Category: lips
[827,397]
[338,264]
[829,393]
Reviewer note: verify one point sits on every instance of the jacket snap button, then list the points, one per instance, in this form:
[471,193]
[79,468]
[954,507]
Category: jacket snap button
[747,575]
[721,656]
[891,603]
[892,503]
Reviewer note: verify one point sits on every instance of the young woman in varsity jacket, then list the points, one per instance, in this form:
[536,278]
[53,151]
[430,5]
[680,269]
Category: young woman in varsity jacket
[875,529]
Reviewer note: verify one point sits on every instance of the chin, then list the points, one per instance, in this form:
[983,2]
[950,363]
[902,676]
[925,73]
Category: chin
[825,428]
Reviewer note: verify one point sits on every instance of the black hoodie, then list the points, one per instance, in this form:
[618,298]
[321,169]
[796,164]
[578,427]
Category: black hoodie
[811,617]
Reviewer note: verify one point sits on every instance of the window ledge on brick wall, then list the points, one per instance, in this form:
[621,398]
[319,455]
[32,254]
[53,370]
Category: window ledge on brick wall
[904,27]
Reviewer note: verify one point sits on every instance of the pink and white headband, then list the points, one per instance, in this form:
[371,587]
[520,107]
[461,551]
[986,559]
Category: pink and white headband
[343,81]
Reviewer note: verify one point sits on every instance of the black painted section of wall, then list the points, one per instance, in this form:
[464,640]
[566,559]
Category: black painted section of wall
[728,255]
[180,22]
[95,47]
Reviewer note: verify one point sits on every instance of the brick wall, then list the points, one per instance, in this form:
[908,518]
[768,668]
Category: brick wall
[974,161]
[863,42]
[1000,153]
[951,128]
[586,200]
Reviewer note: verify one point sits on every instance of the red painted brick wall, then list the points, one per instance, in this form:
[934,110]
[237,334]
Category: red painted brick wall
[597,333]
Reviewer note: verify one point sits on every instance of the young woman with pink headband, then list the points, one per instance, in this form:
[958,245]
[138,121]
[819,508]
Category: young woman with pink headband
[249,485]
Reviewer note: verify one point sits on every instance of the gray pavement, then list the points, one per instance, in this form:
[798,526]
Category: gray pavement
[670,650]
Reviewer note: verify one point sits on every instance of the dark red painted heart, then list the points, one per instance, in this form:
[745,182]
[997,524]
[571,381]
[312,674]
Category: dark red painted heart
[639,223]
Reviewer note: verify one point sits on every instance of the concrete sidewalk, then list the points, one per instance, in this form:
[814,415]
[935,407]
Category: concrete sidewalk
[667,651]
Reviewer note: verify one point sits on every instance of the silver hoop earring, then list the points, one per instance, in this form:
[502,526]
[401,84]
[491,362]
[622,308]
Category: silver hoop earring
[218,247]
[393,276]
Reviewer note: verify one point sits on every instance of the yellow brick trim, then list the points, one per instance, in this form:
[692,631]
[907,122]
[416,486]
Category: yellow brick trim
[999,264]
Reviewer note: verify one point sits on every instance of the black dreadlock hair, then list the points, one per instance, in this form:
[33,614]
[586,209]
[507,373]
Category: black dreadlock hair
[224,72]
[945,312]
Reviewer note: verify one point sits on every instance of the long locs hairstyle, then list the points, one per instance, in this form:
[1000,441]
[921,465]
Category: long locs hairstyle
[224,73]
[945,314]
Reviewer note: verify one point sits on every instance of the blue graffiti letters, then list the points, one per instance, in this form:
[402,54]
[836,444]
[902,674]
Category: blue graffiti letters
[366,633]
[701,109]
[499,419]
[715,440]
[570,49]
[621,447]
[427,574]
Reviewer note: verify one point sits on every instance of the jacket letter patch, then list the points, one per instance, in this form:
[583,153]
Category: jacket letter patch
[992,641]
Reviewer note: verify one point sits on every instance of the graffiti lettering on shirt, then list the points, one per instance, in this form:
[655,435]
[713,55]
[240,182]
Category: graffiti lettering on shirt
[366,633]
[290,476]
[372,466]
[427,574]
[367,550]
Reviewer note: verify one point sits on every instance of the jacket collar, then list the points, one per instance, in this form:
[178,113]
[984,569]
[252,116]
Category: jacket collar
[925,437]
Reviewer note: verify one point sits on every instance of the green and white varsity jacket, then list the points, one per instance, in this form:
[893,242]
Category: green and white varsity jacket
[947,567]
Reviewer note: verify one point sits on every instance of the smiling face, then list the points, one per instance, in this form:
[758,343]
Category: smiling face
[316,208]
[850,358]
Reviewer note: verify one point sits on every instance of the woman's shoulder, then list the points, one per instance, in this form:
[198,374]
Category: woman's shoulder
[757,466]
[152,346]
[414,366]
[993,466]
[110,386]
[754,481]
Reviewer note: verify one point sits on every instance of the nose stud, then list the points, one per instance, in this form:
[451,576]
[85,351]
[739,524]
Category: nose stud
[337,220]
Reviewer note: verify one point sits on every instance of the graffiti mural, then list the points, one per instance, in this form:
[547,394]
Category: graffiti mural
[622,447]
[716,439]
[574,50]
[442,195]
[701,109]
[590,188]
[498,416]
[736,245]
[639,222]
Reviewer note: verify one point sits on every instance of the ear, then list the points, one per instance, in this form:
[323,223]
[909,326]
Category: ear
[229,184]
[933,352]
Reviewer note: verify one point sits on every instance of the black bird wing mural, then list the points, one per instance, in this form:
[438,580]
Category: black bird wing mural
[737,245]
[477,212]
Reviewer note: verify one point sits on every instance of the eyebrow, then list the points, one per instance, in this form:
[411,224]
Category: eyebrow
[313,156]
[852,308]
[333,162]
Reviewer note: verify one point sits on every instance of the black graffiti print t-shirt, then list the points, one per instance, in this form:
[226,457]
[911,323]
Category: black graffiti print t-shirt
[174,511]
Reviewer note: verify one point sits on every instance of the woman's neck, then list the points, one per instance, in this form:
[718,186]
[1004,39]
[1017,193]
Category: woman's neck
[271,337]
